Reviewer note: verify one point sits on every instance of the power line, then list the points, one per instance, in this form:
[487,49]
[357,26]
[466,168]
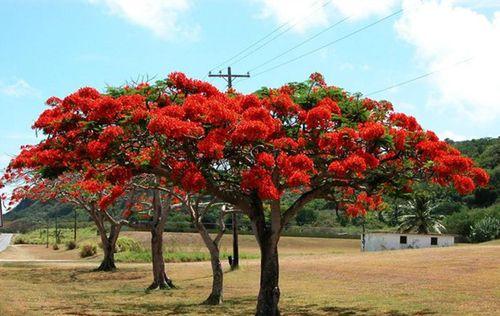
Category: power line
[250,46]
[299,44]
[256,42]
[331,43]
[277,35]
[420,77]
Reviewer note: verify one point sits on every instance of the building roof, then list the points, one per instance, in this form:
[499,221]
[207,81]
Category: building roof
[407,234]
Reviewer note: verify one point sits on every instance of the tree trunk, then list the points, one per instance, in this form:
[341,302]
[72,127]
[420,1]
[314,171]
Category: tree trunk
[108,262]
[108,244]
[160,278]
[269,293]
[216,297]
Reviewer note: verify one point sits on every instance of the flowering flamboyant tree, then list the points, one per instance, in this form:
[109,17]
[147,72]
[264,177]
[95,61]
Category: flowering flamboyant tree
[83,191]
[314,140]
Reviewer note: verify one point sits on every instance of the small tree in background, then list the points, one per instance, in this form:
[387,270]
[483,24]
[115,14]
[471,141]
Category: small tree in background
[83,191]
[418,216]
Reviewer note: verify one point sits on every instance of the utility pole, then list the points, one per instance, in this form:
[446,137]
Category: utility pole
[48,227]
[236,256]
[1,215]
[56,233]
[74,228]
[228,77]
[235,264]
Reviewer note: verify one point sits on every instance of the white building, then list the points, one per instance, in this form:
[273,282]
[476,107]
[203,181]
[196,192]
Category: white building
[393,241]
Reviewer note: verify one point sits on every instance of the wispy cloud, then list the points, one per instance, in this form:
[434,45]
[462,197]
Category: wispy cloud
[444,33]
[306,14]
[451,135]
[162,17]
[18,88]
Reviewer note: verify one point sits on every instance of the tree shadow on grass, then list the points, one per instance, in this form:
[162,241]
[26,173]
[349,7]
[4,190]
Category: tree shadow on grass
[357,311]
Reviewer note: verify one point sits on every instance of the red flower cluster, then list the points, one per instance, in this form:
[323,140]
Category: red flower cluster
[371,131]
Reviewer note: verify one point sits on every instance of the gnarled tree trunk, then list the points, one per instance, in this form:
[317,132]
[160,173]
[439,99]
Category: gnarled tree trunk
[108,242]
[269,292]
[109,248]
[268,238]
[160,278]
[217,294]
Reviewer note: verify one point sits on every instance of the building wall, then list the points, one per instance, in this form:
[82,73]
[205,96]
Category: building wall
[381,241]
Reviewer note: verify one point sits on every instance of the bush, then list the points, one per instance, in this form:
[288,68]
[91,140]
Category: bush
[19,240]
[55,247]
[88,250]
[486,229]
[461,222]
[128,244]
[70,245]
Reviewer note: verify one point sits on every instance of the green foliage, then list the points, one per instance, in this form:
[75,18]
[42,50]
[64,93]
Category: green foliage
[19,240]
[175,256]
[486,229]
[127,244]
[306,216]
[418,216]
[460,223]
[88,250]
[39,236]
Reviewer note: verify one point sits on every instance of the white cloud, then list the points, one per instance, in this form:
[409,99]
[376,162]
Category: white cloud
[302,14]
[162,17]
[359,9]
[443,34]
[305,14]
[18,88]
[451,135]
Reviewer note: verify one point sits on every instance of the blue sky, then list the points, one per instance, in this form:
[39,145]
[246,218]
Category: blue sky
[53,47]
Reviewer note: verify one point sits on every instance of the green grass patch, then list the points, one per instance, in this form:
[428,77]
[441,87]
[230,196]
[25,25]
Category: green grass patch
[176,256]
[65,235]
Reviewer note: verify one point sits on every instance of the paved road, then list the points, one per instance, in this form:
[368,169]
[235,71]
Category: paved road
[5,241]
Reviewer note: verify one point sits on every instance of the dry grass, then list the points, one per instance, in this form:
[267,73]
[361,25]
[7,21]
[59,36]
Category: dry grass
[446,281]
[247,244]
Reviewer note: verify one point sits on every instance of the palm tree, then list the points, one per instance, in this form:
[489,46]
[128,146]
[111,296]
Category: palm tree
[417,215]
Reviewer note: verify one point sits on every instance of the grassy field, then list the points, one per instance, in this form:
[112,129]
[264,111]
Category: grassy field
[318,277]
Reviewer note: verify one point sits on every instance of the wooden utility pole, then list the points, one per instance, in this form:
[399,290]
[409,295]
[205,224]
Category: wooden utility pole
[1,214]
[235,264]
[235,260]
[74,228]
[56,233]
[228,77]
[48,227]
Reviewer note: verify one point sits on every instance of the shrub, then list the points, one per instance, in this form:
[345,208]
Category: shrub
[128,244]
[70,245]
[19,240]
[486,229]
[88,250]
[461,223]
[55,247]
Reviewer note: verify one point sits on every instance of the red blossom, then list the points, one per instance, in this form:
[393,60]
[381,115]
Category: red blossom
[371,131]
[464,185]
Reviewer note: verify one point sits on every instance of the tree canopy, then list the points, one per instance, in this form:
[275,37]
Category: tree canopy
[309,138]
